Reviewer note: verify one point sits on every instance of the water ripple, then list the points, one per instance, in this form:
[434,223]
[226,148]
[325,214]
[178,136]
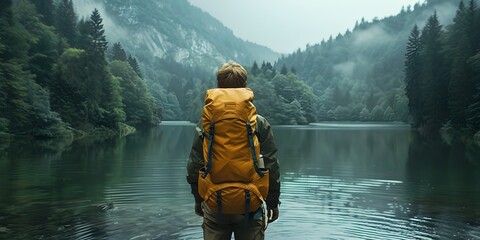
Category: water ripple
[335,185]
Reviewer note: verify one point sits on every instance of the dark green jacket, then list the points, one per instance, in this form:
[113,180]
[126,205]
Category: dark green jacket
[267,148]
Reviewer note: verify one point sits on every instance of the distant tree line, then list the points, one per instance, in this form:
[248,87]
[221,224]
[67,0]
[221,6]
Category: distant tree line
[442,69]
[57,75]
[284,98]
[358,75]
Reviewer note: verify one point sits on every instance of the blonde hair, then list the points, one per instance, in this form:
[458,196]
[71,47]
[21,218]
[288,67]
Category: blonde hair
[231,75]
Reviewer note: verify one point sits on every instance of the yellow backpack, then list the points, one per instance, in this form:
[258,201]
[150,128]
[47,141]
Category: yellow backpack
[231,181]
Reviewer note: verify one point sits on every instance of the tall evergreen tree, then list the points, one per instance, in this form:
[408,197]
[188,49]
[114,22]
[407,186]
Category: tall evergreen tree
[473,17]
[435,83]
[459,48]
[255,69]
[134,64]
[293,70]
[473,111]
[94,93]
[118,53]
[67,21]
[47,9]
[83,38]
[97,44]
[412,76]
[103,95]
[284,70]
[42,54]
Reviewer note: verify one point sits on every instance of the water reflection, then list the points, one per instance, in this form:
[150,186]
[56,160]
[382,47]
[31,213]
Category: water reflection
[112,189]
[350,153]
[377,184]
[337,183]
[442,186]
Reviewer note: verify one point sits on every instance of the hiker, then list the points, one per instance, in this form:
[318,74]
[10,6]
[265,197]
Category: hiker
[232,168]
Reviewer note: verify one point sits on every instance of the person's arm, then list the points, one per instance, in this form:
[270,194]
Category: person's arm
[268,149]
[195,163]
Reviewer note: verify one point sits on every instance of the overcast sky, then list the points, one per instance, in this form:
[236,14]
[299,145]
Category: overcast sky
[286,25]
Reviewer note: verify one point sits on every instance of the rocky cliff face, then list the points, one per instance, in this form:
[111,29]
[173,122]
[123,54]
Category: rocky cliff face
[150,29]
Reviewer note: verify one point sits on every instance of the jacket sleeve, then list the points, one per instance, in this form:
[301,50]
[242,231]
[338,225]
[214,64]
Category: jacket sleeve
[195,162]
[268,149]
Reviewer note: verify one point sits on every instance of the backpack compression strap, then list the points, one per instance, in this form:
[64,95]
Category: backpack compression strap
[210,143]
[247,206]
[252,149]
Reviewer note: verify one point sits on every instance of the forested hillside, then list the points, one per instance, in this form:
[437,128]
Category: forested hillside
[359,75]
[55,76]
[178,47]
[443,71]
[61,73]
[141,62]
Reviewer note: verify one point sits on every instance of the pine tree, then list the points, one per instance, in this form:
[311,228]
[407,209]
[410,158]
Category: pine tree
[83,38]
[47,9]
[96,95]
[42,54]
[67,21]
[435,84]
[118,53]
[459,48]
[97,44]
[103,96]
[255,69]
[473,18]
[263,67]
[473,111]
[293,70]
[284,70]
[134,64]
[412,76]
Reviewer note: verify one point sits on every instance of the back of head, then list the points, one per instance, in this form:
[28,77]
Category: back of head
[231,75]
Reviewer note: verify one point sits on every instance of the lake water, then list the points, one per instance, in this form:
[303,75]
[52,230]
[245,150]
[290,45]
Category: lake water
[338,182]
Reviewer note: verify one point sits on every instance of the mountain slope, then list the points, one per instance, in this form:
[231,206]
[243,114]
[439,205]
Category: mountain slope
[364,68]
[173,29]
[178,47]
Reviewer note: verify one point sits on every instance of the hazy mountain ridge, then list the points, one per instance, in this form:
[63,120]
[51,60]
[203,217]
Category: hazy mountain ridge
[175,30]
[375,38]
[364,68]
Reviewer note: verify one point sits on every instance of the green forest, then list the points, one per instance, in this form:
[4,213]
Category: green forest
[60,76]
[442,69]
[384,71]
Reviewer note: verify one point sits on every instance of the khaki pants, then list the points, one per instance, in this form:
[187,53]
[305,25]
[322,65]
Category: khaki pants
[236,224]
